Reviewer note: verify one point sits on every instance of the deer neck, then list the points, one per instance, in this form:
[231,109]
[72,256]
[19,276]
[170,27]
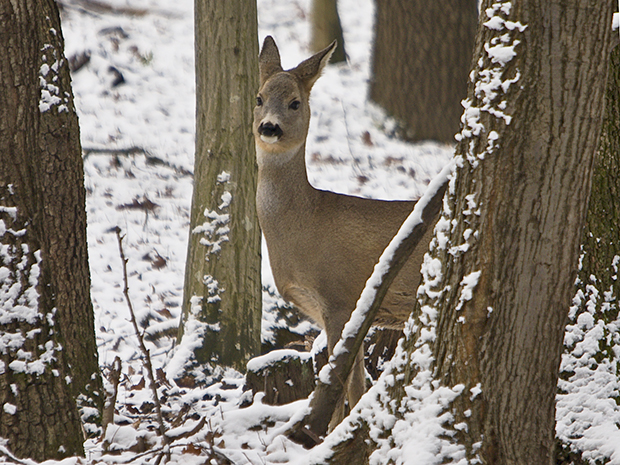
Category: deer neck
[283,186]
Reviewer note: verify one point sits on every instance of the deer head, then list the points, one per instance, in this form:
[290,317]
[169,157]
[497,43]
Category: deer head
[282,112]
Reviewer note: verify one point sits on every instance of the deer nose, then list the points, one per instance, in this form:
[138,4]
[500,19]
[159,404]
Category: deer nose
[269,129]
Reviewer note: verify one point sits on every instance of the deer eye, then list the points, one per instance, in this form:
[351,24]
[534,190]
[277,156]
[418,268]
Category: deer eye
[295,105]
[259,101]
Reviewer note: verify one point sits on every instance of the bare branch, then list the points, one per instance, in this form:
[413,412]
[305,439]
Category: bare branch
[147,357]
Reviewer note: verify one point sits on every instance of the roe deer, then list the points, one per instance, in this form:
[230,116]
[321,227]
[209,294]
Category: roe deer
[322,246]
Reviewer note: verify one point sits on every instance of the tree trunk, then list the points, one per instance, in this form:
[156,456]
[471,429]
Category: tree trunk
[421,57]
[519,205]
[325,28]
[48,350]
[589,365]
[222,294]
[484,344]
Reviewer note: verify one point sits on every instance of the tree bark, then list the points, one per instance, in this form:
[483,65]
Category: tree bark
[486,336]
[601,239]
[589,361]
[47,343]
[421,56]
[222,280]
[325,28]
[519,207]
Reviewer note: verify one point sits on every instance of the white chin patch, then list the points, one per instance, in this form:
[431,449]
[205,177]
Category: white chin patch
[269,139]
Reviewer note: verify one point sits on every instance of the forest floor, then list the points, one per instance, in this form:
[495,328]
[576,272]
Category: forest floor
[134,94]
[133,81]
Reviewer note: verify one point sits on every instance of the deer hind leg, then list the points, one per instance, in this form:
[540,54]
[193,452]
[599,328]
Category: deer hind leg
[354,389]
[355,385]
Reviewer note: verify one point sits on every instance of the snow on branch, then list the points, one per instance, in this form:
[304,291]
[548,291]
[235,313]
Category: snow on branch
[391,261]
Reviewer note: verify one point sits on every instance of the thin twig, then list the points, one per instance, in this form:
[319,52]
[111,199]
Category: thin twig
[145,352]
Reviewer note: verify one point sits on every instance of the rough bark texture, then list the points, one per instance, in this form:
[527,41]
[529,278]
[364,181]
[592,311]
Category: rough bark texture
[325,28]
[595,311]
[48,351]
[522,193]
[496,298]
[421,57]
[222,276]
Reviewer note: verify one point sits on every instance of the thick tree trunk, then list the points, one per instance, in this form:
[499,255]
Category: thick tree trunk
[222,294]
[421,57]
[325,28]
[484,344]
[601,239]
[519,204]
[48,351]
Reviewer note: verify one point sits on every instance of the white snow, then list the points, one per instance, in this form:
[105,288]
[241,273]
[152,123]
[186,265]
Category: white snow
[468,284]
[146,187]
[257,363]
[9,408]
[587,412]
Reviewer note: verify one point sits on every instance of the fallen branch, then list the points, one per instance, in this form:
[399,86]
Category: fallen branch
[134,150]
[147,357]
[101,7]
[115,151]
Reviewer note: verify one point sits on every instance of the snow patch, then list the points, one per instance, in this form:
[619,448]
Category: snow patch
[9,408]
[48,81]
[468,284]
[258,363]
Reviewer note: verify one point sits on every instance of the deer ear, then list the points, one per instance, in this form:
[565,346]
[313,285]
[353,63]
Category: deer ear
[308,71]
[268,60]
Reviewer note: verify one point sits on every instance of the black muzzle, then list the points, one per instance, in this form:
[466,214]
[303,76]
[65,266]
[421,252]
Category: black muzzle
[270,130]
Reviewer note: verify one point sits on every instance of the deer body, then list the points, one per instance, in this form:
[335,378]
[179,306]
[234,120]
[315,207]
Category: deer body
[322,245]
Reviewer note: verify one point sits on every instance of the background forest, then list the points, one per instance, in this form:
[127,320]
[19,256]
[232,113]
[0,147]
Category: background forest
[133,78]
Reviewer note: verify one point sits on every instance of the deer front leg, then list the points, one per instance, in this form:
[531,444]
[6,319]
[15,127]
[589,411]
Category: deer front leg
[356,385]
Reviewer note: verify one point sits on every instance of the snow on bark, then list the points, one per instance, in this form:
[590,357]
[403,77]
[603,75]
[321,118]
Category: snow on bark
[50,95]
[19,304]
[381,268]
[215,228]
[587,414]
[183,360]
[420,427]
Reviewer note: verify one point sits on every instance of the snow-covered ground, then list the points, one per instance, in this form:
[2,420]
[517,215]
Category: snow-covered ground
[135,100]
[145,187]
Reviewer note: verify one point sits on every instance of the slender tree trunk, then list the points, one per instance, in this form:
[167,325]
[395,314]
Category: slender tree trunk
[485,340]
[48,351]
[222,294]
[421,57]
[325,28]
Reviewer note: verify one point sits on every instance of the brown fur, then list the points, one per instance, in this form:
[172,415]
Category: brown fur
[322,246]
